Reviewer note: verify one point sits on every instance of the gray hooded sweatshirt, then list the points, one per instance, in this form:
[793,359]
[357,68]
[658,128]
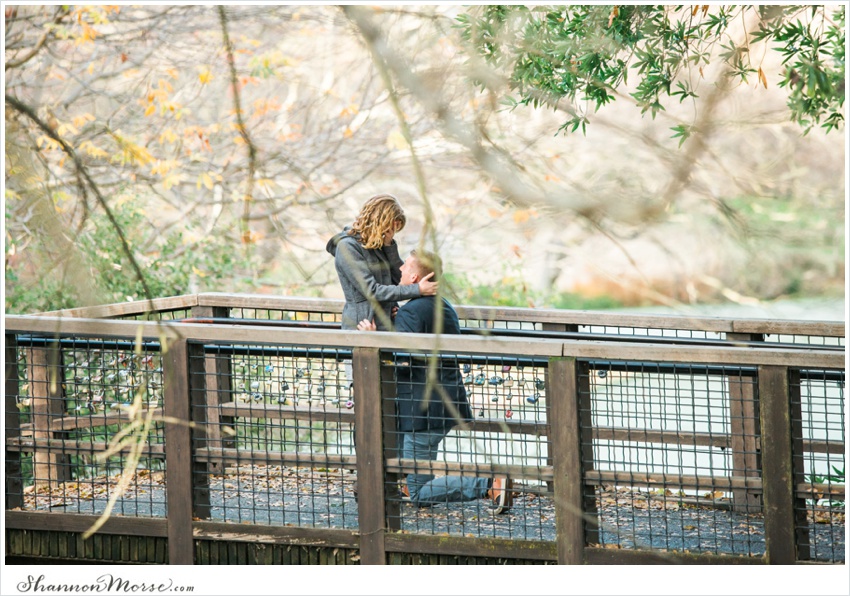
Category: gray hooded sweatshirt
[369,279]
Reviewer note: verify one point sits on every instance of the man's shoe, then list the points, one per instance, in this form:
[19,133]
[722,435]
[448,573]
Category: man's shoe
[501,494]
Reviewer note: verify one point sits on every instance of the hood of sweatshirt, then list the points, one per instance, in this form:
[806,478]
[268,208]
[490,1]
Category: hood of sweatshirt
[332,243]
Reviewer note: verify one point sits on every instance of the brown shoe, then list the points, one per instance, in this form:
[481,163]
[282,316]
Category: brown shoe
[403,490]
[501,494]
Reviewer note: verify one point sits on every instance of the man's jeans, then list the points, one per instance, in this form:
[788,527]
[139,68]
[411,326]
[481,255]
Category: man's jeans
[426,489]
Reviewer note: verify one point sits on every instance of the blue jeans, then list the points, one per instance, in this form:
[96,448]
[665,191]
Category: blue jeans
[427,489]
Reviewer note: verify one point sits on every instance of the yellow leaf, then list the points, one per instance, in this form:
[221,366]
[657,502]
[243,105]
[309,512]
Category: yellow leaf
[348,110]
[762,77]
[150,110]
[208,181]
[521,216]
[167,136]
[80,121]
[171,180]
[63,129]
[205,76]
[347,132]
[92,150]
[131,152]
[198,272]
[396,140]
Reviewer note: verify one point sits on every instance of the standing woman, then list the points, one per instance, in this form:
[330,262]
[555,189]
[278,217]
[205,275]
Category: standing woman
[368,265]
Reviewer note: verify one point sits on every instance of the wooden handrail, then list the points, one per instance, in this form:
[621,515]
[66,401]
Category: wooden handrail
[724,355]
[832,329]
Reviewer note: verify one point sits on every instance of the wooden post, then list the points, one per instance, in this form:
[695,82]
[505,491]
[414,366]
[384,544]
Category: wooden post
[744,432]
[776,465]
[391,439]
[47,403]
[14,487]
[201,411]
[562,327]
[801,516]
[178,454]
[565,447]
[585,417]
[219,376]
[368,446]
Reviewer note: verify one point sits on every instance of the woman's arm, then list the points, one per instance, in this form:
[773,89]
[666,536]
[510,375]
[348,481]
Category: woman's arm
[351,264]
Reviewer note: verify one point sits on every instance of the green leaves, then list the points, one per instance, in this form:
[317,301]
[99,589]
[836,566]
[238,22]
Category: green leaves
[580,55]
[814,75]
[682,132]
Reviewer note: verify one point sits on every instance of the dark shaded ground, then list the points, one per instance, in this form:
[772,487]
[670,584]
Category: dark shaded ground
[324,499]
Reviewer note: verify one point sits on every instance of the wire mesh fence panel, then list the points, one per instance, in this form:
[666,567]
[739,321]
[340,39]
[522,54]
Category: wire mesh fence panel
[461,439]
[90,435]
[670,457]
[483,324]
[817,427]
[164,315]
[273,314]
[626,331]
[805,340]
[277,444]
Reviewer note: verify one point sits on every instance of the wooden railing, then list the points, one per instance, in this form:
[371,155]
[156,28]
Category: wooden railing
[771,481]
[595,322]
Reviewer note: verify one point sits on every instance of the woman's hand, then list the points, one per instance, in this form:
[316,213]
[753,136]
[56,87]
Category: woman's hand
[367,325]
[428,288]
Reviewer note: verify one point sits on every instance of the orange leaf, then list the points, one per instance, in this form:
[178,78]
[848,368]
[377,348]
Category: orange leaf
[521,216]
[614,12]
[762,77]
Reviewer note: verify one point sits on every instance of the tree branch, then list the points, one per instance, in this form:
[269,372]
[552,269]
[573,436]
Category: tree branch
[243,131]
[82,174]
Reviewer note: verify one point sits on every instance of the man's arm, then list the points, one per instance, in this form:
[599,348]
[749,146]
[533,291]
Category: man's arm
[406,320]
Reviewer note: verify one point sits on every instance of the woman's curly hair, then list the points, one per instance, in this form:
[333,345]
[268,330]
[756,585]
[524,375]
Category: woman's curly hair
[377,217]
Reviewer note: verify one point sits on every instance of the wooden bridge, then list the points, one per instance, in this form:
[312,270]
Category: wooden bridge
[219,429]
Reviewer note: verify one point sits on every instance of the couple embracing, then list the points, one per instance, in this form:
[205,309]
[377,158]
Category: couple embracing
[374,280]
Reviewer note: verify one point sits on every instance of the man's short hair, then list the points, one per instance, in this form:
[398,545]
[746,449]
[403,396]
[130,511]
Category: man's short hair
[428,263]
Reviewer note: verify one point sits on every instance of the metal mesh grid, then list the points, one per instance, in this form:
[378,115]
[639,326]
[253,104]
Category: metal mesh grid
[485,324]
[669,454]
[270,314]
[85,430]
[507,430]
[817,426]
[278,443]
[805,340]
[160,315]
[648,332]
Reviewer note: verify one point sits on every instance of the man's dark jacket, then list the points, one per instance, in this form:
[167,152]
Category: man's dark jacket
[417,409]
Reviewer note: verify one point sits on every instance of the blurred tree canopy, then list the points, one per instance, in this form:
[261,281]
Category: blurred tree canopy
[584,54]
[156,150]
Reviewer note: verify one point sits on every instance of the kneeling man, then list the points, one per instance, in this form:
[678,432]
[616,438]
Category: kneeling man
[426,414]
